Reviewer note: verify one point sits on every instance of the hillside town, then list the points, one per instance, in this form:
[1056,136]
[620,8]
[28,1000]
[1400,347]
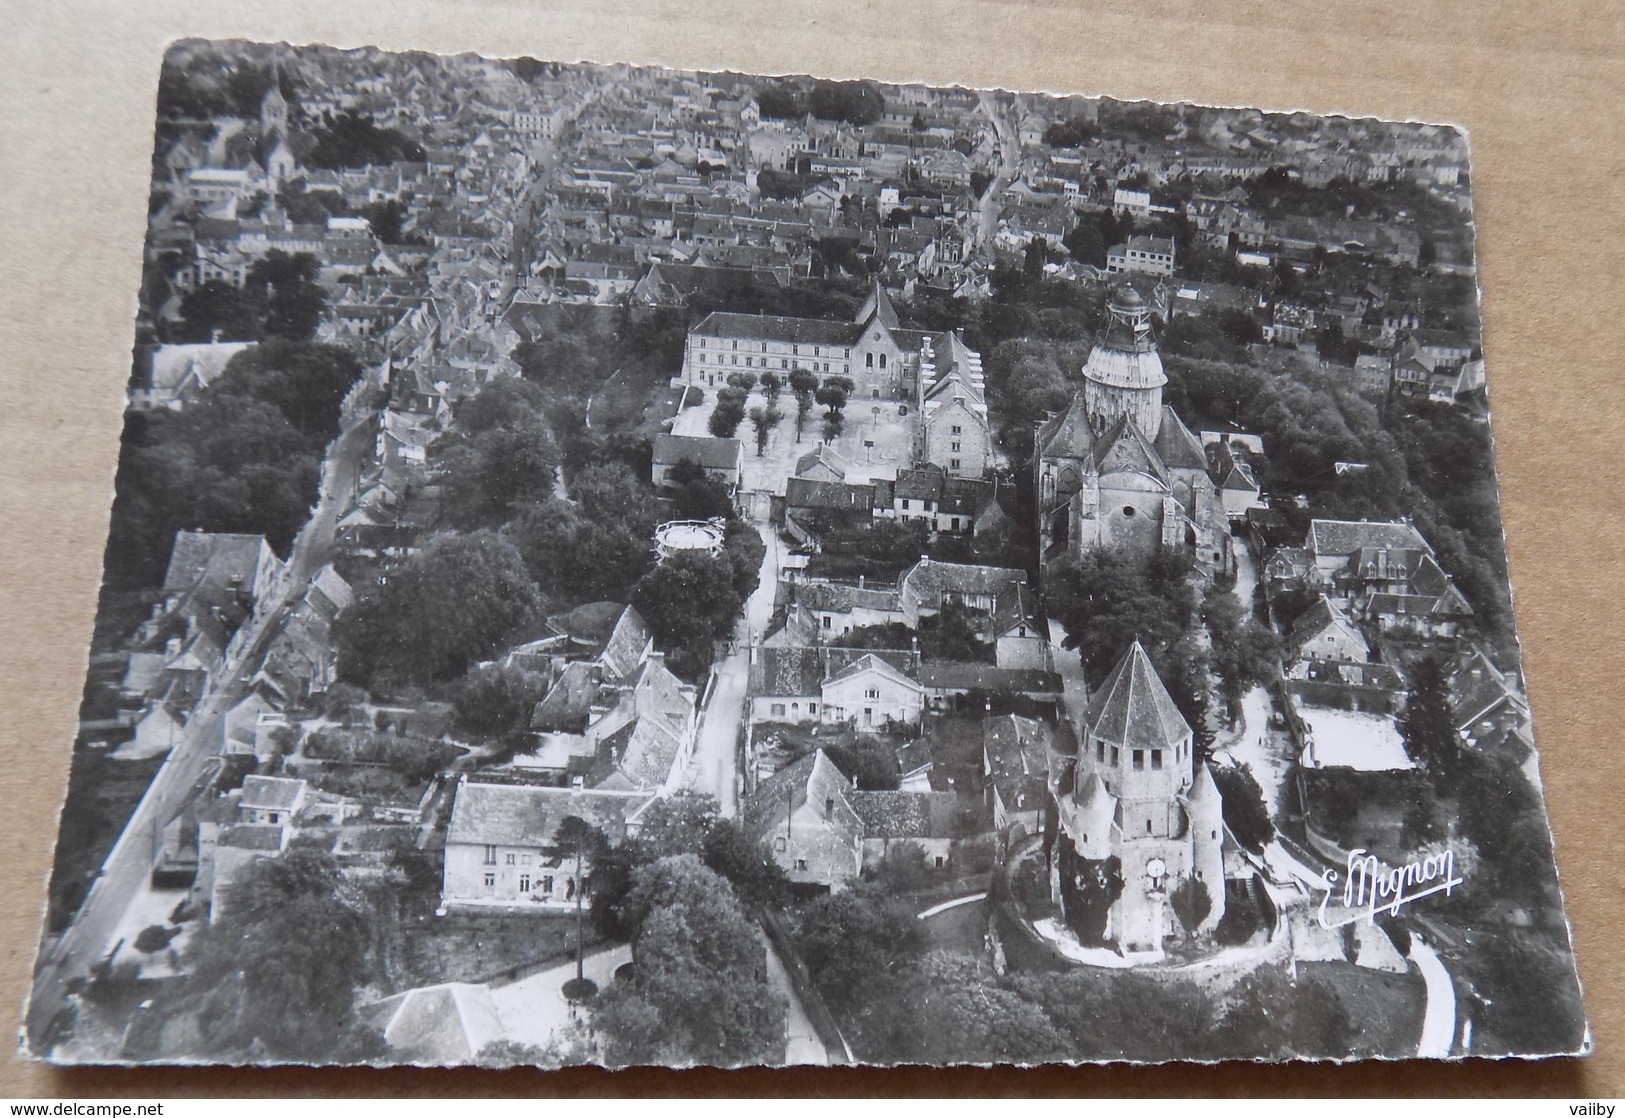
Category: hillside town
[627,566]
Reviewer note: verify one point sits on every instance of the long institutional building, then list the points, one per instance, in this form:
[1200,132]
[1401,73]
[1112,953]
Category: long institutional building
[933,376]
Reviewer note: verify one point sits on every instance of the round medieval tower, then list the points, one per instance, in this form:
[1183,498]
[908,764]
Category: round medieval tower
[1124,373]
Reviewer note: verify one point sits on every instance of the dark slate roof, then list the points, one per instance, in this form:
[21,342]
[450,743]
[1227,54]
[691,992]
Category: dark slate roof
[1345,537]
[624,647]
[1133,709]
[568,703]
[773,328]
[712,454]
[815,779]
[949,675]
[1067,435]
[1123,446]
[786,671]
[906,815]
[807,493]
[923,484]
[212,561]
[1176,445]
[1017,751]
[929,579]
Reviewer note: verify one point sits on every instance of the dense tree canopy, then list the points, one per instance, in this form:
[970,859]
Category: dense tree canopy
[456,601]
[281,961]
[354,140]
[699,991]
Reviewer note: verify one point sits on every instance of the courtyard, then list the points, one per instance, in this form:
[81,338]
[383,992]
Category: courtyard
[877,441]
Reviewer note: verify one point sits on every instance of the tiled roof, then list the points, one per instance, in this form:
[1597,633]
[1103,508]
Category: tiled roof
[953,675]
[906,815]
[1133,709]
[1345,537]
[271,792]
[786,671]
[773,328]
[711,454]
[528,815]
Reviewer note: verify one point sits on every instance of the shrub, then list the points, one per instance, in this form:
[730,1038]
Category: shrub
[154,938]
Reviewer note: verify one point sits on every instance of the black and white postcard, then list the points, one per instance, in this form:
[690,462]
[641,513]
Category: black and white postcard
[629,566]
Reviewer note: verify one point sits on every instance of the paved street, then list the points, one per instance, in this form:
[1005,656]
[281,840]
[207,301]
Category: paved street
[123,876]
[714,767]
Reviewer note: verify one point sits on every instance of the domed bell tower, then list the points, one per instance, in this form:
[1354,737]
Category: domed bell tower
[1123,375]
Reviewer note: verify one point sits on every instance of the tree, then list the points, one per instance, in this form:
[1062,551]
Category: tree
[742,381]
[834,424]
[305,381]
[497,701]
[833,396]
[690,603]
[854,939]
[218,311]
[580,840]
[294,303]
[699,991]
[350,139]
[1428,725]
[771,384]
[803,383]
[726,417]
[455,601]
[1245,812]
[960,1014]
[759,881]
[1191,903]
[1245,654]
[282,959]
[763,420]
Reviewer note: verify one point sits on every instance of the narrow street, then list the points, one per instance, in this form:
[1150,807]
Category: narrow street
[801,1043]
[1439,1019]
[87,940]
[990,207]
[714,767]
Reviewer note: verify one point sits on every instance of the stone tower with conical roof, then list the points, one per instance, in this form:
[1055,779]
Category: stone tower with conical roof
[1138,817]
[1123,376]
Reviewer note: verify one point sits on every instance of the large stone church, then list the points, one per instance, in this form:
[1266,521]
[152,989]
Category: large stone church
[1137,818]
[1118,468]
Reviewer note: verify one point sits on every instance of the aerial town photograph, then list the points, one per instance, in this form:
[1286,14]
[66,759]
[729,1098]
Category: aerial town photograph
[626,566]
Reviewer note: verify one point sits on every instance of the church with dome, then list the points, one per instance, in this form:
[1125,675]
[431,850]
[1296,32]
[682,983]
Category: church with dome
[1118,468]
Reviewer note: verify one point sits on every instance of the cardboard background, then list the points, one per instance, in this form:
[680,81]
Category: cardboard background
[1538,85]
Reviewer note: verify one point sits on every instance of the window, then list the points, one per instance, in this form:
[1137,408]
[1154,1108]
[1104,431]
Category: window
[957,430]
[778,710]
[954,446]
[736,345]
[276,817]
[882,360]
[1148,826]
[524,883]
[547,885]
[490,880]
[801,863]
[941,861]
[1139,760]
[1100,751]
[509,859]
[1156,759]
[871,692]
[784,363]
[702,343]
[953,463]
[748,360]
[874,393]
[826,620]
[847,353]
[764,347]
[868,360]
[812,708]
[490,855]
[524,859]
